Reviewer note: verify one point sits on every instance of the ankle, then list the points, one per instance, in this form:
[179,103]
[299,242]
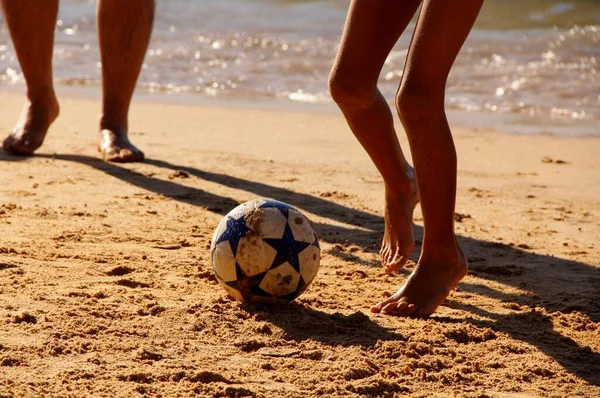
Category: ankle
[403,186]
[115,124]
[42,98]
[441,252]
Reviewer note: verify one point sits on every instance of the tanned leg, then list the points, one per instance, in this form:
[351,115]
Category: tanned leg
[372,28]
[31,24]
[441,31]
[124,29]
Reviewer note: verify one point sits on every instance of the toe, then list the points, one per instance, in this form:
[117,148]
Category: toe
[122,155]
[110,154]
[7,143]
[397,263]
[402,309]
[421,313]
[376,309]
[395,308]
[131,155]
[125,155]
[410,310]
[387,261]
[17,146]
[379,306]
[384,254]
[389,308]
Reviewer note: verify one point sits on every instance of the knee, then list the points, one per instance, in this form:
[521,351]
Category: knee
[349,92]
[416,103]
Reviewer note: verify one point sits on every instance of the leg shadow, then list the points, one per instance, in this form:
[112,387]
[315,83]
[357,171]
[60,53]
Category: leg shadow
[304,323]
[578,360]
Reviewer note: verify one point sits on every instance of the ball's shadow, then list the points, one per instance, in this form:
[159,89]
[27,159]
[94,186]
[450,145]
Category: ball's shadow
[301,322]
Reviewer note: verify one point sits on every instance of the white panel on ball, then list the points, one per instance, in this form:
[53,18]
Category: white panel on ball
[224,262]
[309,259]
[218,232]
[300,227]
[269,223]
[281,280]
[254,256]
[233,292]
[246,208]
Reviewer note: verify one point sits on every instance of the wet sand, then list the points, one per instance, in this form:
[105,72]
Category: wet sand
[106,287]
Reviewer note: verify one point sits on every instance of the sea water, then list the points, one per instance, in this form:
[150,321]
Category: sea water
[528,66]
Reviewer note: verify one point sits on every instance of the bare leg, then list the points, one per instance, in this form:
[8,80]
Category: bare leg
[441,31]
[31,24]
[124,29]
[371,30]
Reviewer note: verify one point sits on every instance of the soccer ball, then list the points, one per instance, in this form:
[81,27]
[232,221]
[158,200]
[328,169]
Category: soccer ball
[265,251]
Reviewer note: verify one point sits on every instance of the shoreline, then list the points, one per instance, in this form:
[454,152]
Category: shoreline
[515,124]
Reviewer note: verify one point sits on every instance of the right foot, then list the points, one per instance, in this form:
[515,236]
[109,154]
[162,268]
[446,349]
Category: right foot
[428,285]
[114,145]
[30,131]
[398,239]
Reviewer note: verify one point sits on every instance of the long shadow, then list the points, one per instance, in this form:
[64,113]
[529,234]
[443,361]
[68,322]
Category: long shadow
[316,205]
[7,157]
[361,226]
[503,263]
[301,322]
[578,360]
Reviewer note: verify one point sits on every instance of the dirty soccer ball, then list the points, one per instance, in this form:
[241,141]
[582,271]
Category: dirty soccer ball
[265,251]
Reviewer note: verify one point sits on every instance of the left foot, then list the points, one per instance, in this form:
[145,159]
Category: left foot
[116,147]
[427,287]
[398,239]
[34,122]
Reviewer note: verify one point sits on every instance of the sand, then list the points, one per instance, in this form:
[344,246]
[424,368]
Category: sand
[106,287]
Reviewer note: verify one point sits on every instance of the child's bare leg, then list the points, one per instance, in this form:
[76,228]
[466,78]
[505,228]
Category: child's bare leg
[31,24]
[372,29]
[441,31]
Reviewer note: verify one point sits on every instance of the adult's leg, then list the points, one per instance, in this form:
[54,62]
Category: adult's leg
[372,28]
[441,30]
[124,29]
[31,24]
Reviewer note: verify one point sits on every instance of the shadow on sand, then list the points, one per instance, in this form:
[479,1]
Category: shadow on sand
[505,264]
[301,322]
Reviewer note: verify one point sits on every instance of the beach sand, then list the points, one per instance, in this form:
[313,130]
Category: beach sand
[106,286]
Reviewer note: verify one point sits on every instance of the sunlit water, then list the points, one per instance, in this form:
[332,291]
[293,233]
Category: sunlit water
[533,61]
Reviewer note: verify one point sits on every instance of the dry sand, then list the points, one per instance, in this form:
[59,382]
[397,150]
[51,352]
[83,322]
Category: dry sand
[106,289]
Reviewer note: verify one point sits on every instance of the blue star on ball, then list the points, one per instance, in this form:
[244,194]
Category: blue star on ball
[287,248]
[236,230]
[282,207]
